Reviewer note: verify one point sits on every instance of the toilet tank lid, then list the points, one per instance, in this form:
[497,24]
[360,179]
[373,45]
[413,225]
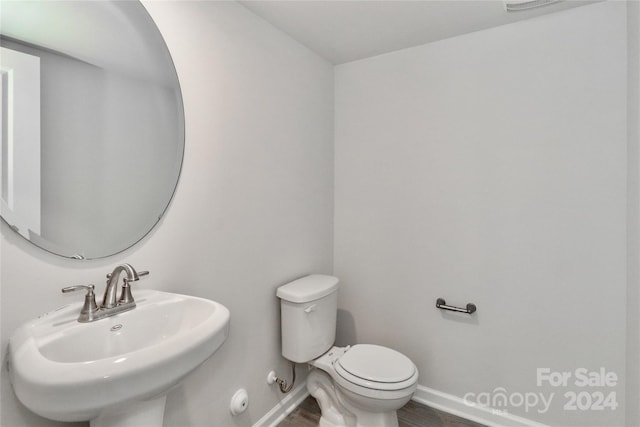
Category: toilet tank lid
[308,288]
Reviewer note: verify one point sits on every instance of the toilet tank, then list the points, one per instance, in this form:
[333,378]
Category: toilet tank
[308,312]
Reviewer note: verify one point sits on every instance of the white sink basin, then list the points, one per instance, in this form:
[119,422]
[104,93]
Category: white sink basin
[69,371]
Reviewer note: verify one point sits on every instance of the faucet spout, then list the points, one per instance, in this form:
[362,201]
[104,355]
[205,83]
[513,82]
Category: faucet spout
[109,300]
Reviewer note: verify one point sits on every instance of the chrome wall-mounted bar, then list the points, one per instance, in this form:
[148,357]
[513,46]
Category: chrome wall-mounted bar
[442,305]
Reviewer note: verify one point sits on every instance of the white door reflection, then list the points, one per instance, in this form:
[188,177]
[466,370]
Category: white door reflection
[20,128]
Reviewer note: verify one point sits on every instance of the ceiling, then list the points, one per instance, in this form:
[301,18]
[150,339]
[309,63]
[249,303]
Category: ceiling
[347,30]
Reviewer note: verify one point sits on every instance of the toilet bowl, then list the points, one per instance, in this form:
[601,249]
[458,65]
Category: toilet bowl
[356,386]
[360,386]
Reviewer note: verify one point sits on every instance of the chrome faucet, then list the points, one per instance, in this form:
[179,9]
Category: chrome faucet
[109,300]
[110,306]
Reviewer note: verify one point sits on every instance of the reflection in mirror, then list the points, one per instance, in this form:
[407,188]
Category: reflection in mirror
[92,124]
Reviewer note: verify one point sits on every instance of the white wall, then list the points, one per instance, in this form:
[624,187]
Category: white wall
[490,168]
[253,208]
[633,214]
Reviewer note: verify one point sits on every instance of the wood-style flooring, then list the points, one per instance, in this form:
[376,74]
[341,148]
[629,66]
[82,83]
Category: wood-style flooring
[411,415]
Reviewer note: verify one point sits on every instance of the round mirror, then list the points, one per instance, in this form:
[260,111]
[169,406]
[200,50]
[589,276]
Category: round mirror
[92,124]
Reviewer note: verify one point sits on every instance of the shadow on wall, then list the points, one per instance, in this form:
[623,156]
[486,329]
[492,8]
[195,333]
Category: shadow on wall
[472,319]
[345,329]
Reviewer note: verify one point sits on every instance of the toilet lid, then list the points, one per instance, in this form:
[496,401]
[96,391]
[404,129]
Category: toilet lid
[378,364]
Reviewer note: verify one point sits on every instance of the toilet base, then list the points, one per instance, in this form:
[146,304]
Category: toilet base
[340,408]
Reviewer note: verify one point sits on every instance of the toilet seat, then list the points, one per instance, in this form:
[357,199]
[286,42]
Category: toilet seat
[376,367]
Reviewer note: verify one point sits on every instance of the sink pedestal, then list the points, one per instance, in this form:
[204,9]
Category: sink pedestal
[149,413]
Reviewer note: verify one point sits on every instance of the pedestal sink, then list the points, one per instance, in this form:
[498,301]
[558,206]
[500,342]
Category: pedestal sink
[114,371]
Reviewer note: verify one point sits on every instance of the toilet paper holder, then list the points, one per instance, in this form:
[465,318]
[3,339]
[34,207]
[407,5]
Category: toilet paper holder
[442,304]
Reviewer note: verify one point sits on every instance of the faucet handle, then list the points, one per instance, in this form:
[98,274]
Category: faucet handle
[139,275]
[125,296]
[68,289]
[89,308]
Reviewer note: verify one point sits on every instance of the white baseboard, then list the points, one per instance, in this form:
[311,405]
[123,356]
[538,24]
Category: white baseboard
[480,414]
[425,395]
[284,407]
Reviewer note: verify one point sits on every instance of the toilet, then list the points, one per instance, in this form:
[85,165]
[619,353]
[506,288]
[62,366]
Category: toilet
[356,386]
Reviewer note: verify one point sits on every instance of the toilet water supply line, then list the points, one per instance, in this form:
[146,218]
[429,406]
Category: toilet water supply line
[282,383]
